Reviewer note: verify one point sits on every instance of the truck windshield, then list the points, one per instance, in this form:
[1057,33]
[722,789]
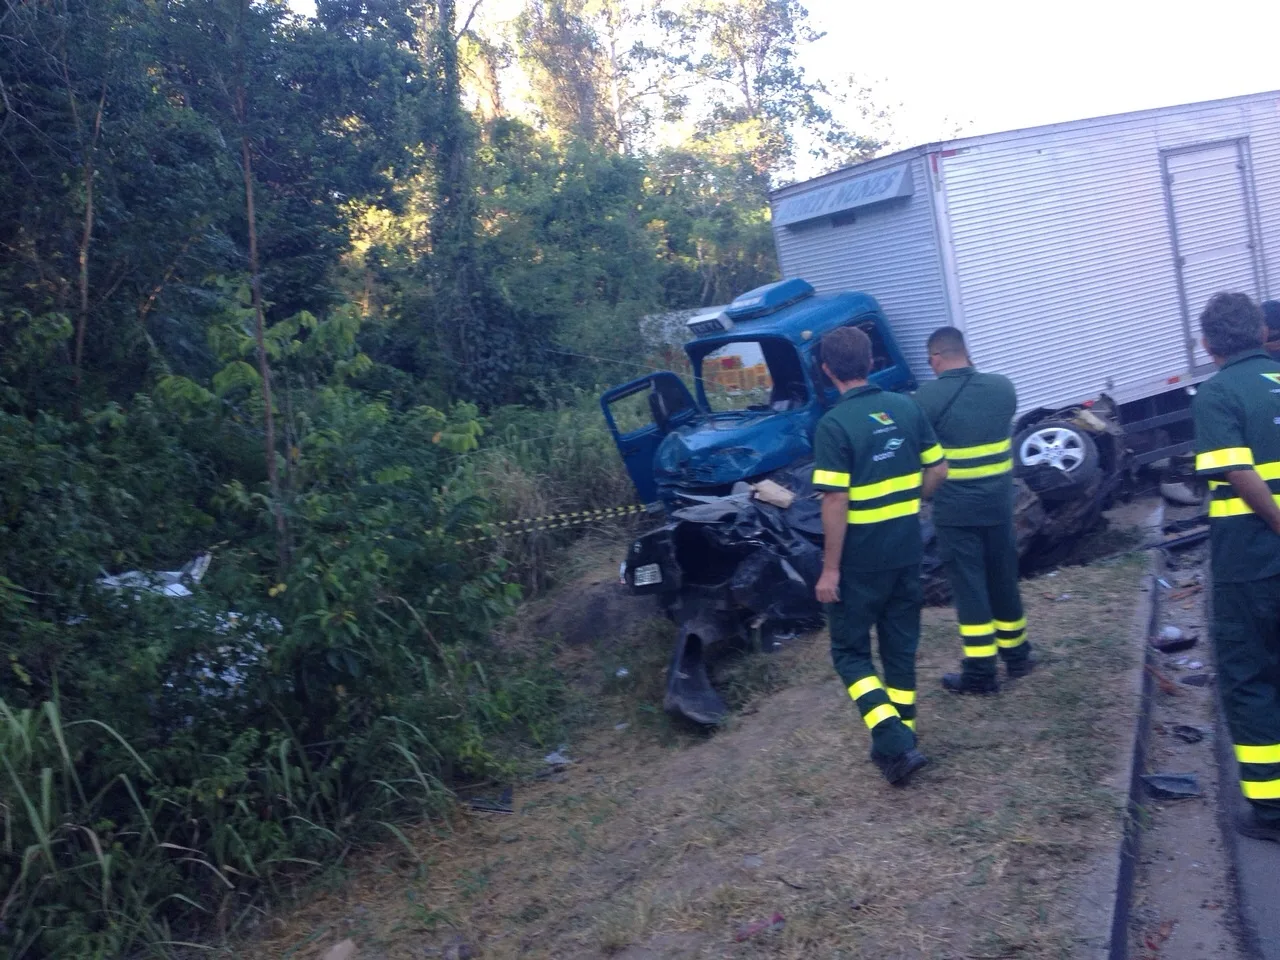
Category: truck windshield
[757,375]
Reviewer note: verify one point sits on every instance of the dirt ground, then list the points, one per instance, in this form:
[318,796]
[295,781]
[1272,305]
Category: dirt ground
[658,842]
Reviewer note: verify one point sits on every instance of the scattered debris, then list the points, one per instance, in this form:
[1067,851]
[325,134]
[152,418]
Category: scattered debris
[1164,583]
[1154,941]
[1173,639]
[622,673]
[558,758]
[776,922]
[1166,685]
[797,886]
[774,493]
[752,862]
[1196,680]
[1172,786]
[1181,494]
[1187,733]
[488,805]
[342,951]
[621,726]
[1185,592]
[457,949]
[1190,539]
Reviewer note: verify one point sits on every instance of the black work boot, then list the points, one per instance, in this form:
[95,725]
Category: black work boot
[898,769]
[1017,669]
[1249,825]
[968,683]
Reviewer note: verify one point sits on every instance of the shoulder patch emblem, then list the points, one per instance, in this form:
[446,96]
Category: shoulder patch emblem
[885,420]
[1273,377]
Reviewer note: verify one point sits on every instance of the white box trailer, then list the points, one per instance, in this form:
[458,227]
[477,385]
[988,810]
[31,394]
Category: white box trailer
[1075,257]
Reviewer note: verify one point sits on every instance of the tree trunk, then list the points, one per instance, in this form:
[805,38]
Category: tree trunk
[259,315]
[86,233]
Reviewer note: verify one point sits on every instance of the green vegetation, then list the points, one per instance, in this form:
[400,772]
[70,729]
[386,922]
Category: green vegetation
[304,294]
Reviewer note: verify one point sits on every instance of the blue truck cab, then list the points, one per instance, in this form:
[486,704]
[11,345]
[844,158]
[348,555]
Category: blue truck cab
[759,391]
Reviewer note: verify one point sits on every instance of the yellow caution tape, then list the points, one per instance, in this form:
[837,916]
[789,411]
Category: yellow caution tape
[553,521]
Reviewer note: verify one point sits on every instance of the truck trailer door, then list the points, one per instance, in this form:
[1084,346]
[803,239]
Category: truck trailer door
[1209,194]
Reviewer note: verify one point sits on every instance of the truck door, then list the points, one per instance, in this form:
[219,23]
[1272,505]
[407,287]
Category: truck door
[640,414]
[1209,194]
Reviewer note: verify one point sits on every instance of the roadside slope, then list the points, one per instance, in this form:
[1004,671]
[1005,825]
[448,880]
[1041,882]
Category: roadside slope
[654,845]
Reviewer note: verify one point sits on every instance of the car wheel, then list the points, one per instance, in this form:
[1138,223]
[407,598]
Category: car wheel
[1056,459]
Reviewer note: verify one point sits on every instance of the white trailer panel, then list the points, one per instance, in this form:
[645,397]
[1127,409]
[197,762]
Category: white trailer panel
[1076,257]
[889,250]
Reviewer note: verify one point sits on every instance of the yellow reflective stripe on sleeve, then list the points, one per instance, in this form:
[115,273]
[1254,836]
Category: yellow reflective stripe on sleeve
[1268,471]
[864,686]
[1011,642]
[871,491]
[1010,625]
[1261,789]
[829,478]
[1215,484]
[1234,506]
[933,455]
[1222,459]
[981,450]
[985,651]
[911,724]
[1263,754]
[904,698]
[877,716]
[977,629]
[881,514]
[977,473]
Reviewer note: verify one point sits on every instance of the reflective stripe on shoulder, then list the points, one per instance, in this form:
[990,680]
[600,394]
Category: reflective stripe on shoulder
[1224,459]
[829,478]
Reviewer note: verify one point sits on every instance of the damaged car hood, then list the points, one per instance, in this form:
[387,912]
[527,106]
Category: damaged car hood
[724,448]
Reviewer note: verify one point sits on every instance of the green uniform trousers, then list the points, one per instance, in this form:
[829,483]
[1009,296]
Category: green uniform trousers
[890,600]
[982,566]
[1246,640]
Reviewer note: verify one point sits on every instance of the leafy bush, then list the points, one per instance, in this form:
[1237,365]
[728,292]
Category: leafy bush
[168,760]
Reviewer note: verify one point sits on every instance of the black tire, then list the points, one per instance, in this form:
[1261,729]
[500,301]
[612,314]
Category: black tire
[1056,459]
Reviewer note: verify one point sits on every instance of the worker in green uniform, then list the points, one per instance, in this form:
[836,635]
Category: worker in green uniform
[972,414]
[875,457]
[1237,425]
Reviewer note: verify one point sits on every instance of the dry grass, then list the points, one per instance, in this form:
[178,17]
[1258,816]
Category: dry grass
[662,843]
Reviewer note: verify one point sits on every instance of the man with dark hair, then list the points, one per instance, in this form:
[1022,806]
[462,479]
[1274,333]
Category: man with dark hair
[1237,422]
[875,457]
[972,414]
[1271,313]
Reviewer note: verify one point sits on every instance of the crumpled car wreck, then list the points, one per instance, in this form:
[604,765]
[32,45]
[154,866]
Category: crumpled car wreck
[738,555]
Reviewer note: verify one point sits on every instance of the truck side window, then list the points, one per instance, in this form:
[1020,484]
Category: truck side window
[879,356]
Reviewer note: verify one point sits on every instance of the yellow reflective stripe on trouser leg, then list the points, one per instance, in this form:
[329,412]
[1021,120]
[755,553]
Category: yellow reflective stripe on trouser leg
[1261,789]
[1224,459]
[878,715]
[860,688]
[903,698]
[1009,626]
[1265,753]
[911,725]
[1008,643]
[977,629]
[986,631]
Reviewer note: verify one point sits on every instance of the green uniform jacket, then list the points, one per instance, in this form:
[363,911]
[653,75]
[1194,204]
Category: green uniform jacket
[972,413]
[874,444]
[1237,420]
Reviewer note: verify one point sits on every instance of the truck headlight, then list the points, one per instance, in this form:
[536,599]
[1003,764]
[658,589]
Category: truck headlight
[648,575]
